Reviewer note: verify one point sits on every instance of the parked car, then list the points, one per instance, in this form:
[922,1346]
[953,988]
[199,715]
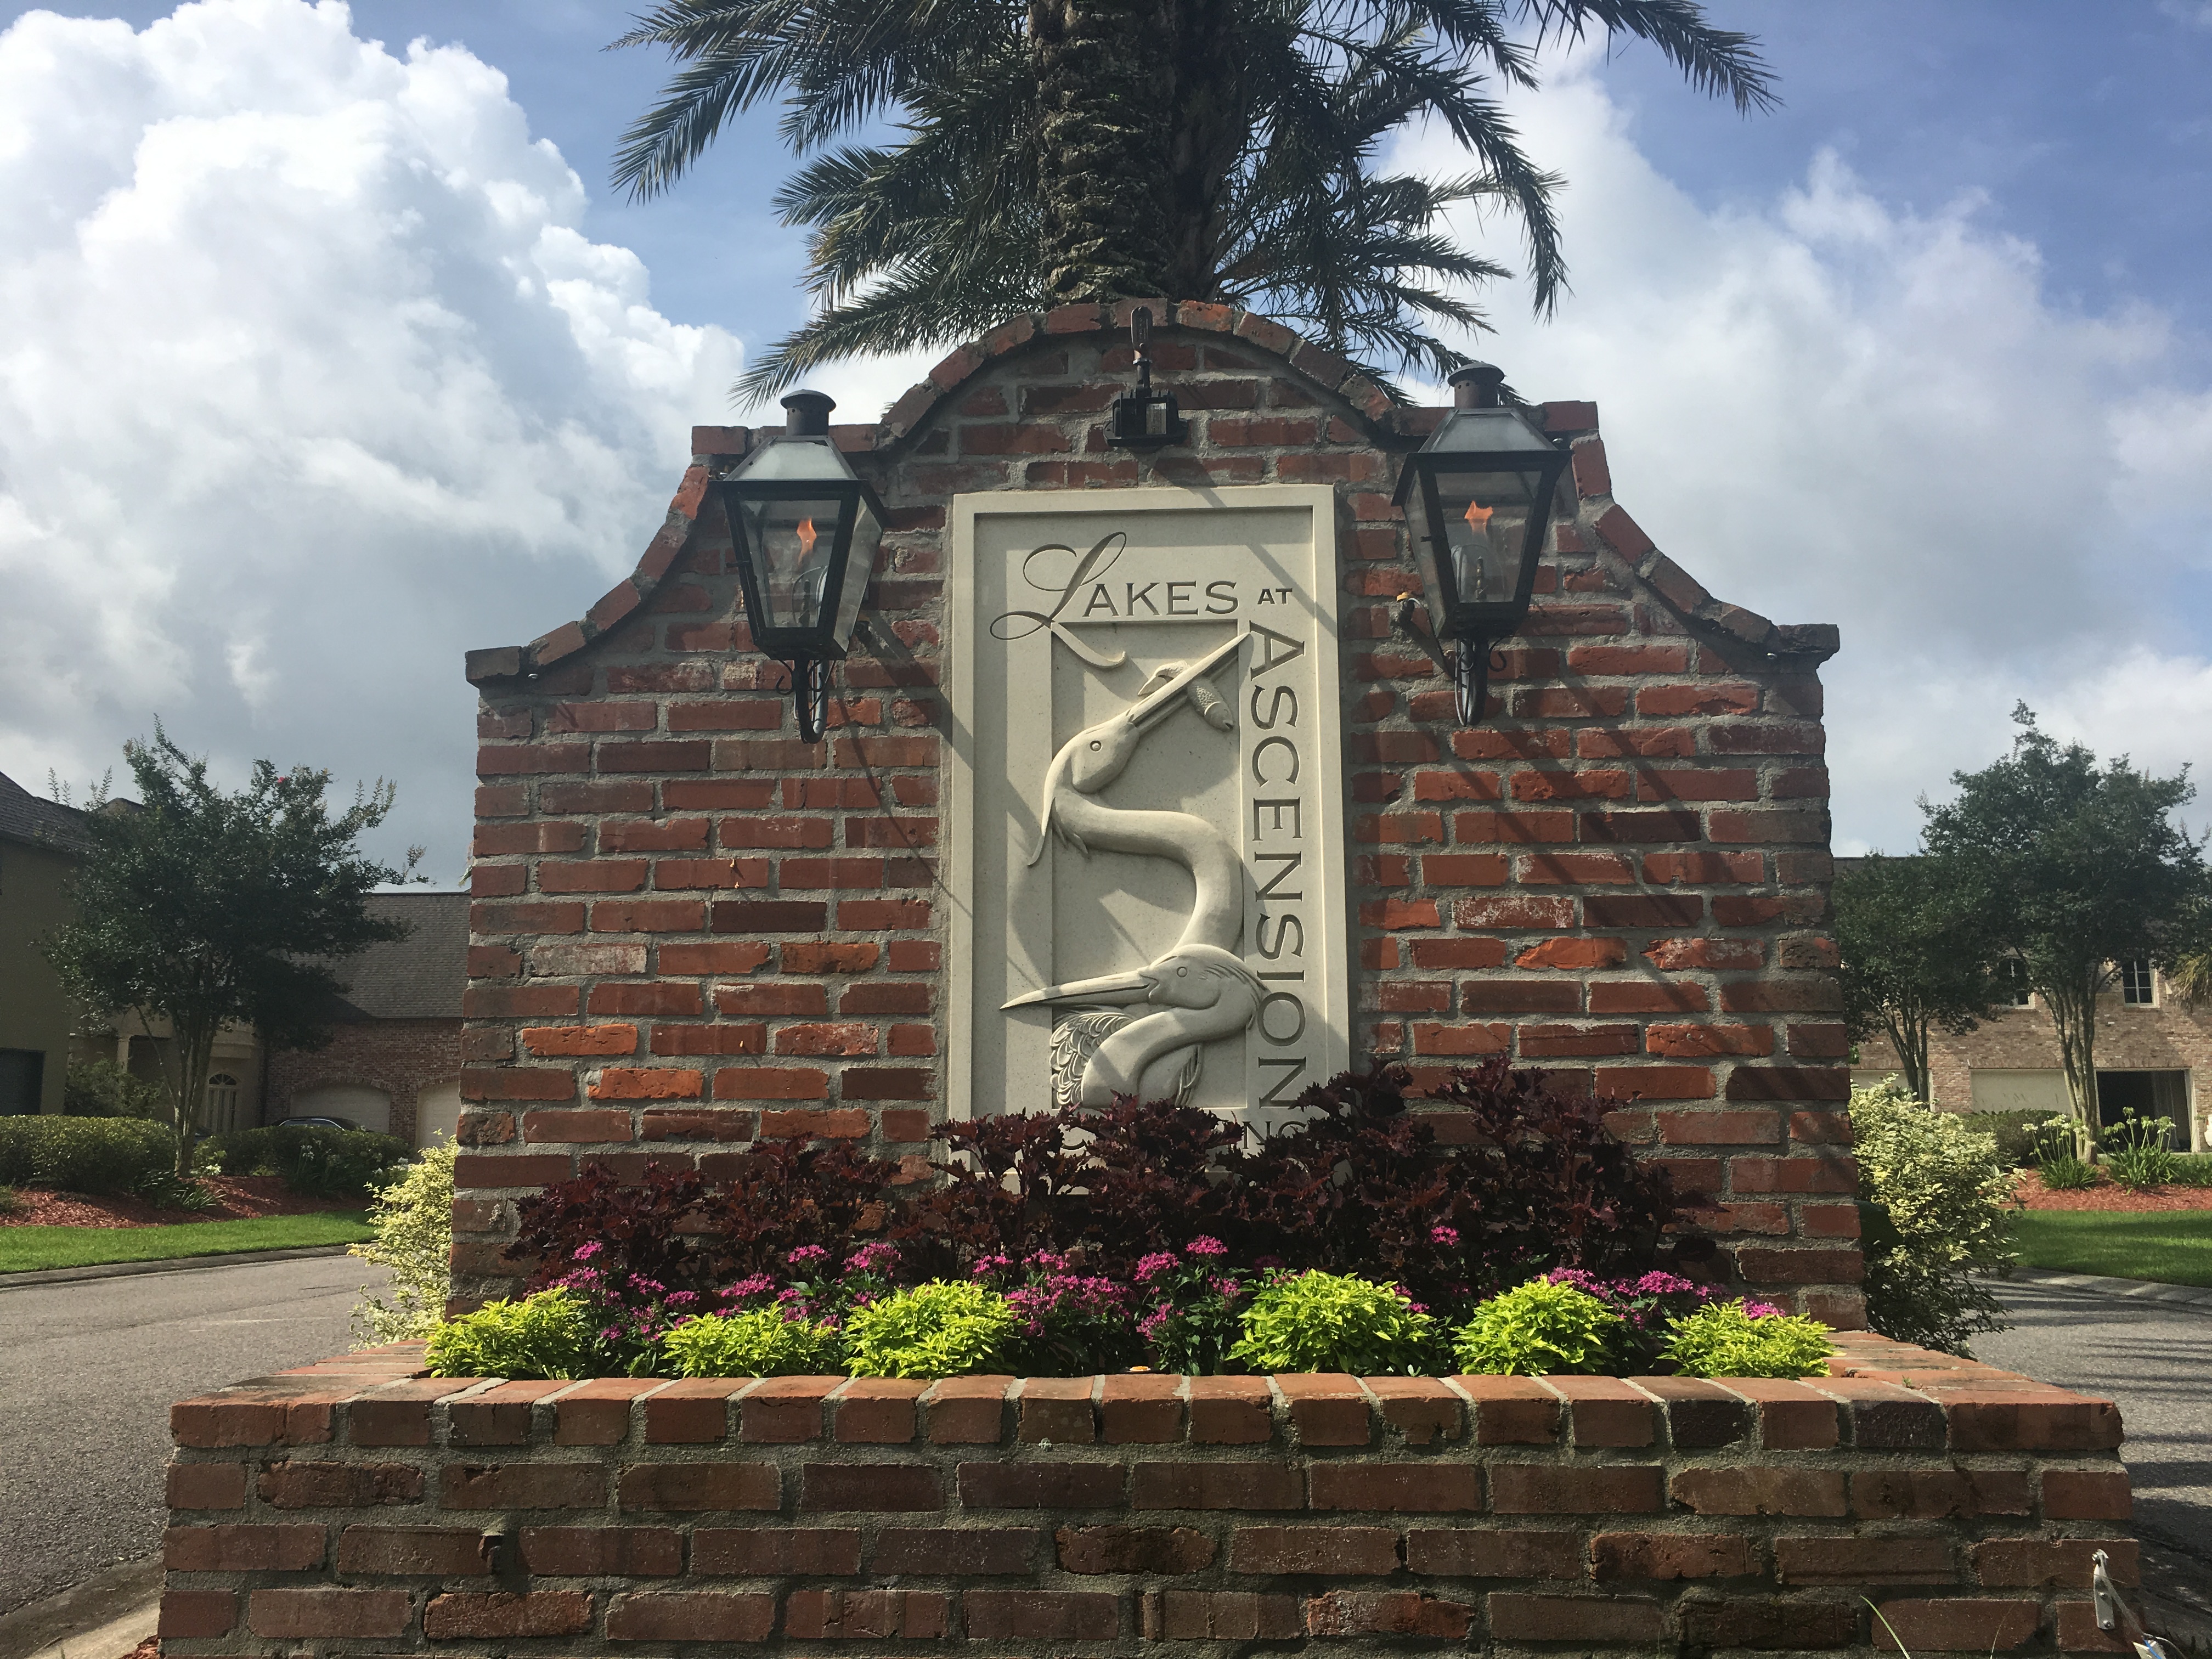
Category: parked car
[315,1123]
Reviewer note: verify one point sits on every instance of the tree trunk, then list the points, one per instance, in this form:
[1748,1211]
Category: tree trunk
[1141,115]
[2074,1017]
[1909,1037]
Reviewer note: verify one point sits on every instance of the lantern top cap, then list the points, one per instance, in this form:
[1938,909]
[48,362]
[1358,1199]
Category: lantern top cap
[1475,387]
[807,414]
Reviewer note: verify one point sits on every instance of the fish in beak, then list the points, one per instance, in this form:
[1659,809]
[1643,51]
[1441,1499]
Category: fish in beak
[1150,707]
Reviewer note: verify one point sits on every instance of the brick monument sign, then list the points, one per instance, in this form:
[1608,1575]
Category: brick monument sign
[691,929]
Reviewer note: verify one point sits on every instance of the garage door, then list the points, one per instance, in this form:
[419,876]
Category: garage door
[438,1114]
[369,1108]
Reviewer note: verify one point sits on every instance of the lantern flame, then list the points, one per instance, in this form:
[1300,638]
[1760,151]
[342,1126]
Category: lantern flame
[806,537]
[1478,517]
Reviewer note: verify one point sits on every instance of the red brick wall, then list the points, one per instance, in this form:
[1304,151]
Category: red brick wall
[403,1057]
[346,1504]
[690,928]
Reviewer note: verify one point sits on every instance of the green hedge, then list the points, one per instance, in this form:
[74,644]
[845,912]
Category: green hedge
[2015,1133]
[83,1154]
[319,1162]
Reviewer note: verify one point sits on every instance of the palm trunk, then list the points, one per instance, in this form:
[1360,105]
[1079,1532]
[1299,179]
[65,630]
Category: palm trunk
[1141,115]
[1103,73]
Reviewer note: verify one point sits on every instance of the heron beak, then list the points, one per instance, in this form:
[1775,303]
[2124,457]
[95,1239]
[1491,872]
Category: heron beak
[1164,700]
[1114,988]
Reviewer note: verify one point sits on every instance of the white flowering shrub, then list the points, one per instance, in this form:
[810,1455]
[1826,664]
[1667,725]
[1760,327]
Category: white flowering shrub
[1934,1206]
[413,1222]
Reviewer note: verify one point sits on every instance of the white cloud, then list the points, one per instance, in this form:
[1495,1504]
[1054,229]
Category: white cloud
[1830,409]
[308,383]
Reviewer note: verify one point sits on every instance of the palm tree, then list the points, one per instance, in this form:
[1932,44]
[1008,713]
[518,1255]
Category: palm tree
[1056,151]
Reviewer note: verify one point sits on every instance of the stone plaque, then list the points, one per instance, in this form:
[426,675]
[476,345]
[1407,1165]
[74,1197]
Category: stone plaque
[1143,829]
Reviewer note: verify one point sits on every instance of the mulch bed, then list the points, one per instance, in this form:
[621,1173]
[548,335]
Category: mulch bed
[238,1198]
[2105,1195]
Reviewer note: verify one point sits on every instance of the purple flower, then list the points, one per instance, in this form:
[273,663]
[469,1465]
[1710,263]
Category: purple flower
[1441,1234]
[585,1252]
[986,1266]
[1203,1246]
[1763,1310]
[757,1284]
[1151,1267]
[807,1256]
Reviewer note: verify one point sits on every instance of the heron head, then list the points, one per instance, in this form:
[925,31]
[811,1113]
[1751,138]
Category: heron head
[1198,977]
[1099,754]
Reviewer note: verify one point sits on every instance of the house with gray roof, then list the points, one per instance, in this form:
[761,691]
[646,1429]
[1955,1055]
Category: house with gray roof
[40,844]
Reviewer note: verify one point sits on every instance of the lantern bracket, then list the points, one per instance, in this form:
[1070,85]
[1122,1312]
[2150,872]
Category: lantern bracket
[1144,418]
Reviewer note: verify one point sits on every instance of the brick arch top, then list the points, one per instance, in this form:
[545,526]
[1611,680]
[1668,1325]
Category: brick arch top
[1359,402]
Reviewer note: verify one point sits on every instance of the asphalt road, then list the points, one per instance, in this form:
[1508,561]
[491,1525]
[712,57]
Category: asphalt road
[2155,1360]
[88,1372]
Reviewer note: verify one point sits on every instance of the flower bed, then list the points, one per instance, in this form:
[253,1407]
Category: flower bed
[360,1505]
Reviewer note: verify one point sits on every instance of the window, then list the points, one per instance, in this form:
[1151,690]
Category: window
[22,1073]
[2012,982]
[2137,985]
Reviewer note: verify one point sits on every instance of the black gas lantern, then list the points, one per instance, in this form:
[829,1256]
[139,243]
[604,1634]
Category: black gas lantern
[1488,478]
[805,530]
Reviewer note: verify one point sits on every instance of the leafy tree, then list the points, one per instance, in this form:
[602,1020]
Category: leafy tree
[2083,867]
[201,909]
[1054,151]
[1916,956]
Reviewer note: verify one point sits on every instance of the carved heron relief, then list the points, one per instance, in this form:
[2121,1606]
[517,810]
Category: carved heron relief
[1201,991]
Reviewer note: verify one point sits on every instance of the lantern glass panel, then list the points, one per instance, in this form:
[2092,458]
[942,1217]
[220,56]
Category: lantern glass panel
[792,542]
[1485,525]
[859,566]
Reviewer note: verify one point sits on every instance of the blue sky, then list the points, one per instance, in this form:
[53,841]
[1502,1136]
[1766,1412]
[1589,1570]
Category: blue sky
[317,367]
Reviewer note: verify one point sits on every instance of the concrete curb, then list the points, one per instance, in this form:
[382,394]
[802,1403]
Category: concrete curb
[2191,1296]
[103,1617]
[175,1264]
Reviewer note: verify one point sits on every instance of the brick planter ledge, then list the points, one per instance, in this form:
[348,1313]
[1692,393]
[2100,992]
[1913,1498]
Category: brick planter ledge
[357,1506]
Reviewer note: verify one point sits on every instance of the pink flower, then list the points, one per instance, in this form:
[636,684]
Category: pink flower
[1203,1246]
[1443,1235]
[585,1252]
[1151,1267]
[807,1256]
[1763,1310]
[871,1257]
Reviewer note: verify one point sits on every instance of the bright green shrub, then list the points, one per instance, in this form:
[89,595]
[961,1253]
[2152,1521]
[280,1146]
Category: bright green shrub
[83,1154]
[1724,1339]
[316,1163]
[1321,1321]
[414,1223]
[760,1342]
[946,1328]
[1536,1328]
[1934,1208]
[546,1335]
[2192,1168]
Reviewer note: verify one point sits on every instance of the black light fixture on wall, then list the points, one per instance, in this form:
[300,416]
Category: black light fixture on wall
[1489,479]
[806,530]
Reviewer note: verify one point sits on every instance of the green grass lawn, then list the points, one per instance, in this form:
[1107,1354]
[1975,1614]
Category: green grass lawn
[22,1249]
[2172,1246]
